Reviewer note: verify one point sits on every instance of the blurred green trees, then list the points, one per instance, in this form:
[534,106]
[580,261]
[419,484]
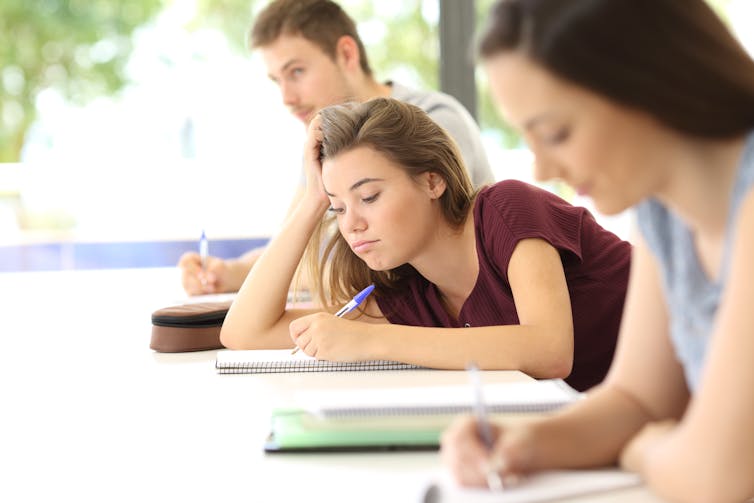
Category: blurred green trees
[78,47]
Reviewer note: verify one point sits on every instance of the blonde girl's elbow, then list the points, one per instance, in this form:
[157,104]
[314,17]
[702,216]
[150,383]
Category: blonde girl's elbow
[229,338]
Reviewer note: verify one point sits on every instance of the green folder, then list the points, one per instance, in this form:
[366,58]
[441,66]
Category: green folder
[298,430]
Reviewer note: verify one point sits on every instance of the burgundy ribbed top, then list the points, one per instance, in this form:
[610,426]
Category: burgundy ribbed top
[595,261]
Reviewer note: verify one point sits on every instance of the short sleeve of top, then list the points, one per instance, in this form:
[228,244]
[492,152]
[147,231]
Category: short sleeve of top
[595,262]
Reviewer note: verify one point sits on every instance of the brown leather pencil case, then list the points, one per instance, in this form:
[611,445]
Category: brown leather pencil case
[188,327]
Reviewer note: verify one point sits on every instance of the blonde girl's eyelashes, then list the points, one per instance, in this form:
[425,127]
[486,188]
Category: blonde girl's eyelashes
[366,200]
[370,199]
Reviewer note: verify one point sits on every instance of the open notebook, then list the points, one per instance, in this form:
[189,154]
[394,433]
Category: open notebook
[539,487]
[269,361]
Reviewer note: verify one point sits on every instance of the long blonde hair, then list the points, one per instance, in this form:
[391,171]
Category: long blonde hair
[406,136]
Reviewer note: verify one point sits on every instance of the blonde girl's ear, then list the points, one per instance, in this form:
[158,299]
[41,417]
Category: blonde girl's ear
[435,184]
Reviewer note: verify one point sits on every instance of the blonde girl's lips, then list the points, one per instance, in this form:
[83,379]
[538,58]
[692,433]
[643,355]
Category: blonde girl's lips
[362,246]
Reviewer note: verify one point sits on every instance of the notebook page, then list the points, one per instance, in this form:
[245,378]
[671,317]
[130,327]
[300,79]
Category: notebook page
[539,487]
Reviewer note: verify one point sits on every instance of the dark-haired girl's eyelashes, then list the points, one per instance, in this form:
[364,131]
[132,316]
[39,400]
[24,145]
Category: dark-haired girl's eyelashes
[558,136]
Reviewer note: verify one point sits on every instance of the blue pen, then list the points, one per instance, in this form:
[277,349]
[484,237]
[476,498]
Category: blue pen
[350,306]
[203,254]
[494,481]
[353,303]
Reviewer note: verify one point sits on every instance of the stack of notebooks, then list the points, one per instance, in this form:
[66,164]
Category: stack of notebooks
[399,418]
[380,419]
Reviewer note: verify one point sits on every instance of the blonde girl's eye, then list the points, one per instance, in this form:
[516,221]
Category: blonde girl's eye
[371,199]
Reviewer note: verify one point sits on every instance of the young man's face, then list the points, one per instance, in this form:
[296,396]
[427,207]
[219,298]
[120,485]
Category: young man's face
[308,79]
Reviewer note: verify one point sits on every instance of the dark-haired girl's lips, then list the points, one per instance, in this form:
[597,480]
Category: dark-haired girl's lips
[583,190]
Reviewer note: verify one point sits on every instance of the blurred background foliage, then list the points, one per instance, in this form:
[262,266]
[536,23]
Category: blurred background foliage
[80,48]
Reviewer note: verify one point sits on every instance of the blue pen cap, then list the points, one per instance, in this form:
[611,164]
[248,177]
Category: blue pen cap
[363,294]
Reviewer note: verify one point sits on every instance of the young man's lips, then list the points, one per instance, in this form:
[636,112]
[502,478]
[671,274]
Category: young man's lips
[302,115]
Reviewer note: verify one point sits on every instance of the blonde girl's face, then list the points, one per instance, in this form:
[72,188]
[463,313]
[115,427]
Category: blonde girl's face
[386,217]
[608,152]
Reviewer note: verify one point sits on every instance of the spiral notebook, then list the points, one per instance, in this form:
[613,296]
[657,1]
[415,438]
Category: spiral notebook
[272,361]
[533,396]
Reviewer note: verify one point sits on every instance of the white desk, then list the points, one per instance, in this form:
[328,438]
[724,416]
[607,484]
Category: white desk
[90,413]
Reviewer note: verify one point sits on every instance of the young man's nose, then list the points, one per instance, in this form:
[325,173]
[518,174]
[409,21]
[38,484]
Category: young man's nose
[288,94]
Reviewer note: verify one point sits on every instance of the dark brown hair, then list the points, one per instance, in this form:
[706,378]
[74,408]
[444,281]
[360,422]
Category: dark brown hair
[405,135]
[674,59]
[322,22]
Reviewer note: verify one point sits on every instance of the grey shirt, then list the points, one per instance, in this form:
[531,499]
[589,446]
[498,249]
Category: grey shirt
[692,297]
[448,112]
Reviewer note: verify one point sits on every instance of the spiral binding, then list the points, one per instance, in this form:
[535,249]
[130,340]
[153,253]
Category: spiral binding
[438,410]
[309,366]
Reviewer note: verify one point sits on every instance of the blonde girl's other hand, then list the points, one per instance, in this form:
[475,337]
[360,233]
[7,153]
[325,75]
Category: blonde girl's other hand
[312,150]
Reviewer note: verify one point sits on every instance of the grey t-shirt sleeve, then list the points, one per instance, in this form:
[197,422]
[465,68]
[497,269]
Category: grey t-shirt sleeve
[456,120]
[467,136]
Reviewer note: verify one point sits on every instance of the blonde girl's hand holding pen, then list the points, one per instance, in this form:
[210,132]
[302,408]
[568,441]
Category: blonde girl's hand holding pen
[350,306]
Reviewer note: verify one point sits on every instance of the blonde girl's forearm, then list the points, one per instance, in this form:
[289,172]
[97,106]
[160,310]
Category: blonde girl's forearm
[255,318]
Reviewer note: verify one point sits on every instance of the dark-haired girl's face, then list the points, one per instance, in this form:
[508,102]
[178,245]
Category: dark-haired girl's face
[606,151]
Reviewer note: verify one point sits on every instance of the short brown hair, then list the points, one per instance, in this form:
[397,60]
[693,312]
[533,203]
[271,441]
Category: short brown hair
[674,60]
[404,134]
[322,22]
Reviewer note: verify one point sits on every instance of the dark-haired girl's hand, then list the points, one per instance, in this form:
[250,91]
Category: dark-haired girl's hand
[467,458]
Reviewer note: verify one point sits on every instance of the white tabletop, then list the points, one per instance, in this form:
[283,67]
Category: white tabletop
[90,413]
